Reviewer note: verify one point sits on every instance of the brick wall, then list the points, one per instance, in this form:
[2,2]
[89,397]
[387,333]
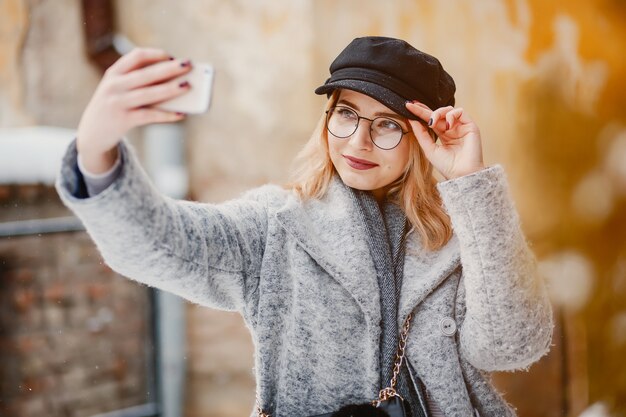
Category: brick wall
[74,336]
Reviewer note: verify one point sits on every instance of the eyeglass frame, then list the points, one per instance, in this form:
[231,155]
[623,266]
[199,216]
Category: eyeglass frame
[359,117]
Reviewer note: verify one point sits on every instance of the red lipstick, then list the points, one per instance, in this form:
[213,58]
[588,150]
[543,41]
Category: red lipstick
[360,164]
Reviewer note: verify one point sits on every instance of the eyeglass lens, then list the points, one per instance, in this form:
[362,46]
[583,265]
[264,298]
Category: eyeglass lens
[343,122]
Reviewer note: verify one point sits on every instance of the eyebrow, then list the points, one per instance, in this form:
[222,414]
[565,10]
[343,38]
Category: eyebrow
[377,114]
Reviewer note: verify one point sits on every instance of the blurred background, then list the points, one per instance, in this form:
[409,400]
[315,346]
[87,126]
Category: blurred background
[543,79]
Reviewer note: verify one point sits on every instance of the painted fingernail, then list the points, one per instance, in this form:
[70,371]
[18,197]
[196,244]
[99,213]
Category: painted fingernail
[447,125]
[185,63]
[184,84]
[180,114]
[430,122]
[171,58]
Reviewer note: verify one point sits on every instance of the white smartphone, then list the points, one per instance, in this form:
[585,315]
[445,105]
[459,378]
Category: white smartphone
[198,98]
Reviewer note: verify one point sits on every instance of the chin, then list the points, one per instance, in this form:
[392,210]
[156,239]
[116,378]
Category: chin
[357,181]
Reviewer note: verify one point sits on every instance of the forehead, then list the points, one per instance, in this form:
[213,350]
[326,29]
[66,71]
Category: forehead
[364,102]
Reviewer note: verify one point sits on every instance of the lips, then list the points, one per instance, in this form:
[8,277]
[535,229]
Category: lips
[360,164]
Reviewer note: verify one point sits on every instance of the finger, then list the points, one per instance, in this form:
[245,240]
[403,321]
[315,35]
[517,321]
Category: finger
[423,137]
[148,115]
[147,96]
[138,58]
[153,74]
[437,121]
[452,117]
[420,110]
[457,134]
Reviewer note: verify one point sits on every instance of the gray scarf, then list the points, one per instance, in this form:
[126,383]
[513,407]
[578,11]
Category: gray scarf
[386,227]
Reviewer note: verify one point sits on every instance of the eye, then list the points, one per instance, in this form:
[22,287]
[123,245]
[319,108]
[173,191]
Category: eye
[388,125]
[345,113]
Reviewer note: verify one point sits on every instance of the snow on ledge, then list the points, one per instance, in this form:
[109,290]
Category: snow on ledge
[32,155]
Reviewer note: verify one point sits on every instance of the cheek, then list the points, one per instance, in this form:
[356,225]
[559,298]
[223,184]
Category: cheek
[334,148]
[332,145]
[406,149]
[395,162]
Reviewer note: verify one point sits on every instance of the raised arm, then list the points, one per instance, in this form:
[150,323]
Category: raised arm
[209,254]
[206,253]
[508,320]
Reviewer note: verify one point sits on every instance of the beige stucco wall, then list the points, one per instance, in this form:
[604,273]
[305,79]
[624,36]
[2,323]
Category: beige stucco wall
[544,81]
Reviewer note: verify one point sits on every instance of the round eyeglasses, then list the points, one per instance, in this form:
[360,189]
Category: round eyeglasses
[385,133]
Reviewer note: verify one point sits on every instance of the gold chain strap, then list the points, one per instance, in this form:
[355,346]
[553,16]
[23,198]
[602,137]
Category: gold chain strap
[390,391]
[384,393]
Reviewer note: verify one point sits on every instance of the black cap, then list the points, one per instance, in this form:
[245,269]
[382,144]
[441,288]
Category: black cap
[392,72]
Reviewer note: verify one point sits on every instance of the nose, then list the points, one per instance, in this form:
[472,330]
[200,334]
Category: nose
[360,139]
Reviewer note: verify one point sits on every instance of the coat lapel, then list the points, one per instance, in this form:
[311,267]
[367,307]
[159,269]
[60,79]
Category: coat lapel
[424,270]
[330,231]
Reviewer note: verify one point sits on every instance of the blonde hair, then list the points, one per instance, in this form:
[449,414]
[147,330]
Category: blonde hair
[415,191]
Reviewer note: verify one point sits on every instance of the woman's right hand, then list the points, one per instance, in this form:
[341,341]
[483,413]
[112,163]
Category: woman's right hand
[123,100]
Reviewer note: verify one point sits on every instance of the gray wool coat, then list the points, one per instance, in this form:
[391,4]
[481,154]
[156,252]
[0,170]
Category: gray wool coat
[302,277]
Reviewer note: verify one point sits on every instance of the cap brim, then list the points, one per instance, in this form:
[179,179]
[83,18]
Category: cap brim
[375,91]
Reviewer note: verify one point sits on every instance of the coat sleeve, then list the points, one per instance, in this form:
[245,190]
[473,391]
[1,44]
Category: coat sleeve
[508,322]
[207,253]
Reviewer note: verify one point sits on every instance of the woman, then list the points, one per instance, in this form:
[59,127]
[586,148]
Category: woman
[327,272]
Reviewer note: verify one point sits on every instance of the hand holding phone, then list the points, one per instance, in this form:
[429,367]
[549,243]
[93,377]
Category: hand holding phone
[129,95]
[198,98]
